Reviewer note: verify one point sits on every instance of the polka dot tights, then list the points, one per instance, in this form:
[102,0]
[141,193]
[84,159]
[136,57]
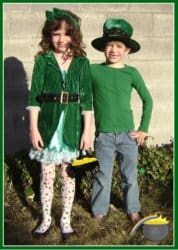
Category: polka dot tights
[46,192]
[68,192]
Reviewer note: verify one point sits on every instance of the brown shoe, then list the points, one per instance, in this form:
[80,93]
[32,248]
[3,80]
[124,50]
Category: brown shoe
[99,218]
[134,217]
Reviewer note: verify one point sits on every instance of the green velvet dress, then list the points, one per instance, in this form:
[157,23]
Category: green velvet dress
[57,151]
[60,125]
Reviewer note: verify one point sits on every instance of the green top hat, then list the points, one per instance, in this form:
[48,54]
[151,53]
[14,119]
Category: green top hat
[116,30]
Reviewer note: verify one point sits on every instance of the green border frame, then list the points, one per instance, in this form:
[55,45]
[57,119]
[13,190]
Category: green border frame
[2,142]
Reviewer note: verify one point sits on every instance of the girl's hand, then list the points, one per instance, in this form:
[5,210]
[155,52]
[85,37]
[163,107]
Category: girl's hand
[36,139]
[140,136]
[85,141]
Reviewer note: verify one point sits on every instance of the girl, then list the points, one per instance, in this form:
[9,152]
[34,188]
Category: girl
[60,96]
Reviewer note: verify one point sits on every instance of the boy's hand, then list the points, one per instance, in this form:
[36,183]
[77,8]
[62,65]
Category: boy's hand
[139,136]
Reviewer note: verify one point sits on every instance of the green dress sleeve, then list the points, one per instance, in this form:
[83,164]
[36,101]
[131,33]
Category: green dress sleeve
[85,87]
[38,76]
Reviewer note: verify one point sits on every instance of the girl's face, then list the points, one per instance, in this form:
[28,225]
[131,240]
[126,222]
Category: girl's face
[115,51]
[61,40]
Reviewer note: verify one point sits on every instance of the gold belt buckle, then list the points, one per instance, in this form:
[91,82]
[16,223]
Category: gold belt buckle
[64,98]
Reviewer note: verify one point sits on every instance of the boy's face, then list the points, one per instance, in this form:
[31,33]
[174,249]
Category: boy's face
[115,51]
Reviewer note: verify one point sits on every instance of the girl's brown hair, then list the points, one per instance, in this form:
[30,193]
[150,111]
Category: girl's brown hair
[73,30]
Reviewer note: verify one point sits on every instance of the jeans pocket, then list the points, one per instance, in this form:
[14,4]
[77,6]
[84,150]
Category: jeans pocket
[99,137]
[130,137]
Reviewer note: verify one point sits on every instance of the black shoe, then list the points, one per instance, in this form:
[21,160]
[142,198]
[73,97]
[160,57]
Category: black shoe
[38,235]
[66,236]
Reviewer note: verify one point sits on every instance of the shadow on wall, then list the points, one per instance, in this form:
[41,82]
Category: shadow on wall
[16,132]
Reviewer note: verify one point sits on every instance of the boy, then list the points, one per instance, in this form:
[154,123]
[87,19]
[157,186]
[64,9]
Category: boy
[112,83]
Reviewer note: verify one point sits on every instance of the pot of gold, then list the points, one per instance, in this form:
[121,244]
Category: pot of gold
[156,229]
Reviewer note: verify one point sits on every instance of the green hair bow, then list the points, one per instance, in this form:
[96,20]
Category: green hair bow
[51,15]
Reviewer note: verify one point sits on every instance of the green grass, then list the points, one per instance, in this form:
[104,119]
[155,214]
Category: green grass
[22,215]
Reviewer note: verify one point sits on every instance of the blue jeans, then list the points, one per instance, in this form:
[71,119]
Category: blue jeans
[106,144]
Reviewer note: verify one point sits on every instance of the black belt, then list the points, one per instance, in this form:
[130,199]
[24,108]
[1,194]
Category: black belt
[63,97]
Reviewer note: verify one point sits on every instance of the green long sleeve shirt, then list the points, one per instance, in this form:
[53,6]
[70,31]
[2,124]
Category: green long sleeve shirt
[112,88]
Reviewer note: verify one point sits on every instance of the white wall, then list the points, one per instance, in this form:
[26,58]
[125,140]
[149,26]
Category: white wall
[153,28]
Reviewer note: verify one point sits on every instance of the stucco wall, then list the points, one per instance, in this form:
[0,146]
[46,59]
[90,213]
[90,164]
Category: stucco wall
[153,28]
